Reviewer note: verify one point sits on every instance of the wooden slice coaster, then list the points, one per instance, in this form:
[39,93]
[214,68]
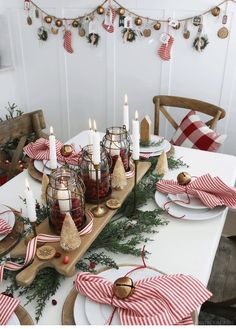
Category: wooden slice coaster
[13,238]
[67,316]
[23,316]
[34,172]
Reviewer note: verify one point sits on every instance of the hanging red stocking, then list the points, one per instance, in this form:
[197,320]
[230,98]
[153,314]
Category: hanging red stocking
[165,50]
[109,20]
[67,41]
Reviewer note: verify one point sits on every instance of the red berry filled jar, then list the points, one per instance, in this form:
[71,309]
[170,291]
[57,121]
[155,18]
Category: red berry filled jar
[65,193]
[88,175]
[117,142]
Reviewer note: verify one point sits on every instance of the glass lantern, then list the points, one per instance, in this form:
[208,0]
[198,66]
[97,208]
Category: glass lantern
[88,175]
[117,142]
[65,193]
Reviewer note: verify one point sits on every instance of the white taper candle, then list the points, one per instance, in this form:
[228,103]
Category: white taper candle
[135,137]
[52,149]
[30,203]
[96,146]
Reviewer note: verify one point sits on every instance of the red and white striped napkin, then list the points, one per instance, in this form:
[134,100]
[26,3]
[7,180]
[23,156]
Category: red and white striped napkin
[7,307]
[212,191]
[162,300]
[4,227]
[39,150]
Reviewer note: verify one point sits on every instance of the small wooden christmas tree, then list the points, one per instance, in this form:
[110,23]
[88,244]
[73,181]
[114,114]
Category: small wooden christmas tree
[45,181]
[119,179]
[145,130]
[162,164]
[70,238]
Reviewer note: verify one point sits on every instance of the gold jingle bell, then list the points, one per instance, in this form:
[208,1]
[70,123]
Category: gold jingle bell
[121,11]
[215,11]
[48,19]
[123,287]
[157,26]
[66,150]
[138,21]
[59,23]
[75,23]
[183,178]
[100,10]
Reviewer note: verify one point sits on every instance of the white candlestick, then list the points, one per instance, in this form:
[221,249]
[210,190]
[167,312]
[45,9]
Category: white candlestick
[52,148]
[64,199]
[135,137]
[126,113]
[30,203]
[96,146]
[90,133]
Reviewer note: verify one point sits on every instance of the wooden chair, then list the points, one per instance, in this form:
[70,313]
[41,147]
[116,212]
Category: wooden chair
[20,127]
[161,101]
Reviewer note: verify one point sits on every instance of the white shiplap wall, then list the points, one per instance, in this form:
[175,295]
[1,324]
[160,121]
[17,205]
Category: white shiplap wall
[92,81]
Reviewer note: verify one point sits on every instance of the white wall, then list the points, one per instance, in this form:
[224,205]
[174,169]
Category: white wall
[92,81]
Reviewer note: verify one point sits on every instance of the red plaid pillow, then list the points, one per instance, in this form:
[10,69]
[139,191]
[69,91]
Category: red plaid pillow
[194,133]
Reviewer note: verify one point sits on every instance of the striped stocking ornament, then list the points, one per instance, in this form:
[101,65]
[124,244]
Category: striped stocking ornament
[67,41]
[109,20]
[165,50]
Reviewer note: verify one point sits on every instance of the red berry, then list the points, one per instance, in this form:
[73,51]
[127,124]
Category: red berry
[54,302]
[92,265]
[65,260]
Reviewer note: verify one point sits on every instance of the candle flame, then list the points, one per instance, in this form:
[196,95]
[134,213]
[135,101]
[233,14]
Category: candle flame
[126,99]
[90,124]
[136,115]
[27,184]
[51,130]
[94,125]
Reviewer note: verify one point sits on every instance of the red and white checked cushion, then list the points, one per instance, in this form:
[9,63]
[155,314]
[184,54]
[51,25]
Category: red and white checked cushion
[193,132]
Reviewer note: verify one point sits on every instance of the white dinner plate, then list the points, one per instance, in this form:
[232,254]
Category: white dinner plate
[189,214]
[194,203]
[165,145]
[83,307]
[39,165]
[9,218]
[13,321]
[99,314]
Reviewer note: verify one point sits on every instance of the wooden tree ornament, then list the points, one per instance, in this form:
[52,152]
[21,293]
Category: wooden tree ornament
[145,130]
[70,238]
[119,179]
[162,164]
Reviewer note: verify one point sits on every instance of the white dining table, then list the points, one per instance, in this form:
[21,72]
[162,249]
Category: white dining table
[182,246]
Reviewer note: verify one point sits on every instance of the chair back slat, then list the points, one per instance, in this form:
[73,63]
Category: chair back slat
[21,127]
[217,113]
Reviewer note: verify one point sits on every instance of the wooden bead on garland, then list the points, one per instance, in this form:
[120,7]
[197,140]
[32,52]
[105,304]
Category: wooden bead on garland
[48,19]
[123,287]
[121,11]
[75,24]
[100,10]
[138,21]
[157,26]
[183,178]
[59,23]
[215,11]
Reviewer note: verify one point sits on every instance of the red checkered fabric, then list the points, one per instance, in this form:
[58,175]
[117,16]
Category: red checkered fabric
[194,133]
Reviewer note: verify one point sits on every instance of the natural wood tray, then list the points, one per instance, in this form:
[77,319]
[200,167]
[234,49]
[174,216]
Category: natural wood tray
[27,275]
[12,238]
[23,316]
[67,315]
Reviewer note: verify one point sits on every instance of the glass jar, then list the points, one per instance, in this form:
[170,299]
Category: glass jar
[65,193]
[117,142]
[88,175]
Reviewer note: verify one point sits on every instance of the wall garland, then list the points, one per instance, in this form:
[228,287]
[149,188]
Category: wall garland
[133,25]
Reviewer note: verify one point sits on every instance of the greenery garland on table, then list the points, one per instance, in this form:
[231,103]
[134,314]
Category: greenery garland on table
[124,234]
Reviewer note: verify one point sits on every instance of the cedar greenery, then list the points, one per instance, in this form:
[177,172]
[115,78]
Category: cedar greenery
[124,234]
